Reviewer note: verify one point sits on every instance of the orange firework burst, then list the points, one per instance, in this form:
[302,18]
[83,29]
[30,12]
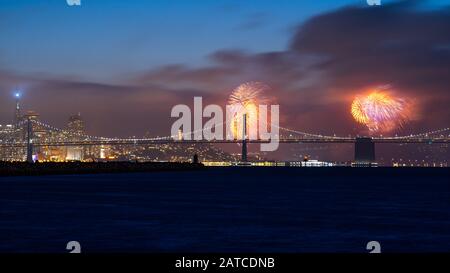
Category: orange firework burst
[358,111]
[380,111]
[246,99]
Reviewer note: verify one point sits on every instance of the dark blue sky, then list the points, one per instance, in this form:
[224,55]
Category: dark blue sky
[104,38]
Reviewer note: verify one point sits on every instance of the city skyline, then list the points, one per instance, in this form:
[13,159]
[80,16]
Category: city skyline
[44,142]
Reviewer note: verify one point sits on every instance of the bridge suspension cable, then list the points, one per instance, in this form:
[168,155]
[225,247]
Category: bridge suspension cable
[421,135]
[185,134]
[306,134]
[99,138]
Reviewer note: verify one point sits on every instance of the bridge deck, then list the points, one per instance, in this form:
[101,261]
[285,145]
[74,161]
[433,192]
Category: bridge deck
[281,141]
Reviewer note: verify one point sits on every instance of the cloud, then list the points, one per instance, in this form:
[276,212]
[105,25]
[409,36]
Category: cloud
[109,110]
[397,44]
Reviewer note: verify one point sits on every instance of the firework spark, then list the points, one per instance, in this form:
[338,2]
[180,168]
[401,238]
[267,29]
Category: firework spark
[380,111]
[246,99]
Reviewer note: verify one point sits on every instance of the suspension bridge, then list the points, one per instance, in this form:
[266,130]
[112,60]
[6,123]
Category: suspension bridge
[364,146]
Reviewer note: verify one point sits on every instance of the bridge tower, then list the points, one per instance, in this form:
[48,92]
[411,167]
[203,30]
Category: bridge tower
[364,151]
[244,139]
[29,141]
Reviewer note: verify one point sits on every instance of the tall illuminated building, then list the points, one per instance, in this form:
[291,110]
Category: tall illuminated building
[17,116]
[76,125]
[76,131]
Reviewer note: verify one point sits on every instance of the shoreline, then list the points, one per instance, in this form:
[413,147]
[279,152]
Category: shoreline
[8,169]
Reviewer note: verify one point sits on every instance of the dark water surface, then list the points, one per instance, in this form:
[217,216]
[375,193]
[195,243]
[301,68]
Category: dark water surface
[229,210]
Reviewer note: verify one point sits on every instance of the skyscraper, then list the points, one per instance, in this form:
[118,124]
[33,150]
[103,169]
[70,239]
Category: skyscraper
[17,116]
[76,125]
[76,132]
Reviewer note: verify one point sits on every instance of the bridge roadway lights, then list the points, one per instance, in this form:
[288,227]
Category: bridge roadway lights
[364,150]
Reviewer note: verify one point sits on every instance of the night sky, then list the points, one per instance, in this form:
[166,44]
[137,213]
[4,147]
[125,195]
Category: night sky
[125,64]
